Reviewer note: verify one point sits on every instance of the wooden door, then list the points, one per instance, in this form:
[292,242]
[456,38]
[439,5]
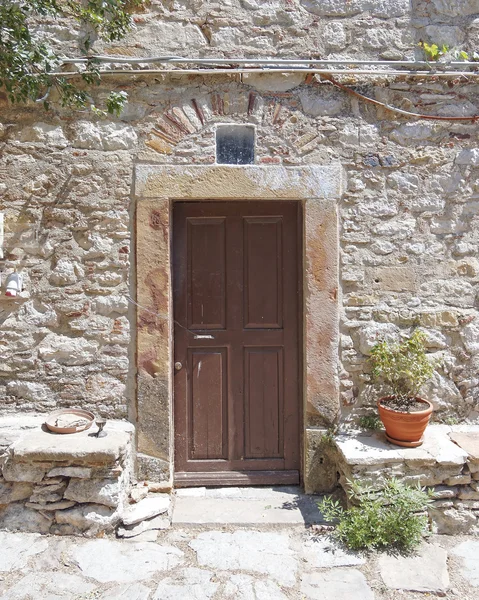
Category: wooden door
[237,296]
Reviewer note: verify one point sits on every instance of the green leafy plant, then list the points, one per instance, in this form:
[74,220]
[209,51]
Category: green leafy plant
[403,367]
[372,422]
[393,517]
[30,69]
[433,51]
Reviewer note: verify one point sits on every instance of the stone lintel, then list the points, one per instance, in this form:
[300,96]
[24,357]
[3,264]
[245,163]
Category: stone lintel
[251,182]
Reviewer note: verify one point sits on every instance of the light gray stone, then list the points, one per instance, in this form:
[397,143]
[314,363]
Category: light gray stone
[49,585]
[275,82]
[77,472]
[16,517]
[370,335]
[44,133]
[452,521]
[155,523]
[259,552]
[134,591]
[192,583]
[322,553]
[78,448]
[13,492]
[146,508]
[48,493]
[468,553]
[316,104]
[51,505]
[424,572]
[108,560]
[470,334]
[18,548]
[453,8]
[346,584]
[244,587]
[339,8]
[95,491]
[66,350]
[90,518]
[15,471]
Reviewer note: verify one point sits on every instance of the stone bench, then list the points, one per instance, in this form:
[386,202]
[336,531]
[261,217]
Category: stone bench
[447,462]
[63,484]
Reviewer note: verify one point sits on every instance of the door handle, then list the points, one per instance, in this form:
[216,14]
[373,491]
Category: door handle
[178,366]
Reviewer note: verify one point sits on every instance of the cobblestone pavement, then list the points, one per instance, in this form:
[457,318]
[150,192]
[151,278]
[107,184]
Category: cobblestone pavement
[231,562]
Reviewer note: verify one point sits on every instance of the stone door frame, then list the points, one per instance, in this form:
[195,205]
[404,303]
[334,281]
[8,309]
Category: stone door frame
[156,188]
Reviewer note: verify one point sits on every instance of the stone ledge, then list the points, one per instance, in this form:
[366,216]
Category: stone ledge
[447,463]
[63,484]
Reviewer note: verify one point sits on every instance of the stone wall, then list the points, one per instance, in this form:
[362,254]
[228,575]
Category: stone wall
[408,220]
[447,465]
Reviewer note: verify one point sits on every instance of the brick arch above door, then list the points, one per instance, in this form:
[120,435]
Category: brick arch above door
[156,188]
[197,114]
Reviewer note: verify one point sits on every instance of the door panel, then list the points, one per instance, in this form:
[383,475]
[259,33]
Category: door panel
[237,404]
[208,404]
[263,269]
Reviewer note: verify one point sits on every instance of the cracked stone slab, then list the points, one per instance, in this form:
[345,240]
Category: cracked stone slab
[49,585]
[108,560]
[254,551]
[134,591]
[322,553]
[17,548]
[244,587]
[343,584]
[192,583]
[423,572]
[468,552]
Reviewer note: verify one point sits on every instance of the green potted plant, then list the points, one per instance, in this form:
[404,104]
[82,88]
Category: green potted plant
[404,368]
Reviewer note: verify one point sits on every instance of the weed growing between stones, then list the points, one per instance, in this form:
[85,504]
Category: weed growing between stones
[391,518]
[371,422]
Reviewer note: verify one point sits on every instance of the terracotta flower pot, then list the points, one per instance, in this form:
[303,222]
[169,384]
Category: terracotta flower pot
[402,428]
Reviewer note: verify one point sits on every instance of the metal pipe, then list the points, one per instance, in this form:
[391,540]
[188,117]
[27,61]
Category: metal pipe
[269,70]
[267,61]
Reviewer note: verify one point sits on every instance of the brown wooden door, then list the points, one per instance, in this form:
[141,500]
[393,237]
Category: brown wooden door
[236,308]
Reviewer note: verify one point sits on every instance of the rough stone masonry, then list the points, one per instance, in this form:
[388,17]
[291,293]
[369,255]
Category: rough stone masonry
[408,219]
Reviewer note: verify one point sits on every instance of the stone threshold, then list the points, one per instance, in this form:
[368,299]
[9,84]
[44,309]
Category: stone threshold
[447,463]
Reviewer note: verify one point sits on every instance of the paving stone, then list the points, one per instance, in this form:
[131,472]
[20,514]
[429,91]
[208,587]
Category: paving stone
[50,585]
[192,584]
[109,560]
[469,553]
[322,553]
[145,536]
[423,572]
[258,552]
[244,587]
[146,508]
[343,584]
[134,591]
[17,548]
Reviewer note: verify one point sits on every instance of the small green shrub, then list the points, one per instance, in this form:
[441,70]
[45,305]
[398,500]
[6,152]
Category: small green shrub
[390,518]
[404,367]
[370,422]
